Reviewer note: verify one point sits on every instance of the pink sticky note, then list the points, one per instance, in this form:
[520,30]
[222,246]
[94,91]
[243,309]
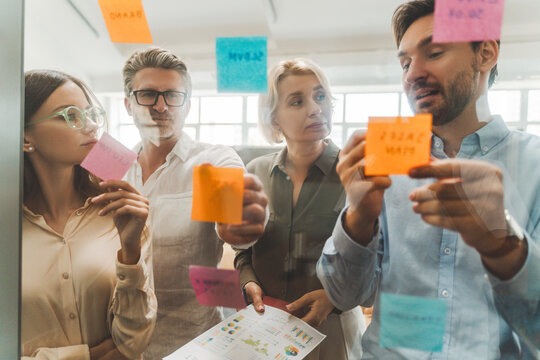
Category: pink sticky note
[217,287]
[467,20]
[109,159]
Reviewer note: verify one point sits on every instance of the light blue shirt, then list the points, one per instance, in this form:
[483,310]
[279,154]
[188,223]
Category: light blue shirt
[409,257]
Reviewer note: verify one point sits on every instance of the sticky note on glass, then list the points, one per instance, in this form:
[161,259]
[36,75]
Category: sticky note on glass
[217,194]
[467,20]
[241,64]
[217,287]
[396,144]
[412,322]
[109,159]
[126,21]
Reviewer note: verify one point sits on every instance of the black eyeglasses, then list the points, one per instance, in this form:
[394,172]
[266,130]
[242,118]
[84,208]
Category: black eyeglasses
[150,97]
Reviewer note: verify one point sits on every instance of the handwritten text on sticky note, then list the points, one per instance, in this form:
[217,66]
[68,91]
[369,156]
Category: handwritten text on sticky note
[109,159]
[396,144]
[217,194]
[217,287]
[241,64]
[412,322]
[467,20]
[126,21]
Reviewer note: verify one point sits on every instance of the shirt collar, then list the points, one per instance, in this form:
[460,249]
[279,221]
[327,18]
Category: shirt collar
[483,139]
[325,162]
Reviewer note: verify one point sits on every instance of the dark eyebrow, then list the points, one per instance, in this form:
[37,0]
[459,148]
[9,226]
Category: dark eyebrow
[318,87]
[61,107]
[428,40]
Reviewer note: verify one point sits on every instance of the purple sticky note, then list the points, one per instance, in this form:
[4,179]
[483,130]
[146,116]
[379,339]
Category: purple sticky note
[109,159]
[217,287]
[467,20]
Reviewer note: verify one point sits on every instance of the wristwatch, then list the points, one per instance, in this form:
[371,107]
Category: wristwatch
[514,236]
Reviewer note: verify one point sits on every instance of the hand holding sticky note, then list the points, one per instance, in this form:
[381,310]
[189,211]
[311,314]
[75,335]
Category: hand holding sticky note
[217,194]
[394,145]
[241,64]
[109,159]
[126,21]
[470,20]
[217,287]
[412,322]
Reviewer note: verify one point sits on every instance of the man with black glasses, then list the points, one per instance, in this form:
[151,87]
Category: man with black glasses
[158,88]
[463,230]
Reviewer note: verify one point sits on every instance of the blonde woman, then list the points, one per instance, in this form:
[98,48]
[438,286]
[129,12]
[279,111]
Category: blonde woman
[305,197]
[86,275]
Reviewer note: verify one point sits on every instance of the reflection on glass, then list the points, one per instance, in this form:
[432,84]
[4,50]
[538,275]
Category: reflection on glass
[337,117]
[193,115]
[221,134]
[534,105]
[405,107]
[255,137]
[252,109]
[224,109]
[361,106]
[128,135]
[505,103]
[337,135]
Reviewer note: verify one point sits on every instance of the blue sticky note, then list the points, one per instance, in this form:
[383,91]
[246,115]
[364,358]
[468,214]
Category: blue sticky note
[412,322]
[241,64]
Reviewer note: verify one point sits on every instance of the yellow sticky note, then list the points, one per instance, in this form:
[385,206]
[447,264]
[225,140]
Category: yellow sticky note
[126,21]
[217,194]
[394,145]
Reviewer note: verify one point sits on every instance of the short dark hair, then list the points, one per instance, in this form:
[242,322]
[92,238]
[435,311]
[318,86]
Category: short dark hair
[409,12]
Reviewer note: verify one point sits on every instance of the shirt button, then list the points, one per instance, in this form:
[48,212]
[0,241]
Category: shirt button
[437,144]
[72,316]
[121,276]
[445,293]
[65,275]
[485,148]
[78,212]
[288,177]
[447,251]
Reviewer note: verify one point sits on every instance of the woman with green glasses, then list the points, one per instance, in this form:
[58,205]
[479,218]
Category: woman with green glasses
[87,289]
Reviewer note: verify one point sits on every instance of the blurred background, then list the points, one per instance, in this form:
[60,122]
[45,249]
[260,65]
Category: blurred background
[350,39]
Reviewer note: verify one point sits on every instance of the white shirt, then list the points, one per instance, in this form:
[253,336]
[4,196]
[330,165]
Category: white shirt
[179,241]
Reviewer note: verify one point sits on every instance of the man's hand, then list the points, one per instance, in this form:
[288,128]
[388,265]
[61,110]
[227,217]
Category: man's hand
[316,303]
[254,295]
[253,215]
[365,194]
[468,197]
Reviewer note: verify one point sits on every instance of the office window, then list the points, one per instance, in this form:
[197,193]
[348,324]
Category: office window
[534,106]
[506,103]
[361,106]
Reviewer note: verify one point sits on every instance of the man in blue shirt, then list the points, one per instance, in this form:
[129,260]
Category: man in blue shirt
[465,228]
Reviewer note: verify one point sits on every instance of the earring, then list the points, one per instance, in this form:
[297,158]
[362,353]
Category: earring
[30,148]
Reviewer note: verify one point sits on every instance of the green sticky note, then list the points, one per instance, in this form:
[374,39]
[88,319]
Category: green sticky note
[241,64]
[412,322]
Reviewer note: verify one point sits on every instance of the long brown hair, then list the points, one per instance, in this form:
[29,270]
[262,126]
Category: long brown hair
[38,86]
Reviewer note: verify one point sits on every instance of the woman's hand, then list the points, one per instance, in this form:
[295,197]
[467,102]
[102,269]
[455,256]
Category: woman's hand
[317,305]
[130,211]
[106,350]
[255,294]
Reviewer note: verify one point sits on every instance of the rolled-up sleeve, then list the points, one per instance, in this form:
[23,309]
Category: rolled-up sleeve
[132,314]
[349,271]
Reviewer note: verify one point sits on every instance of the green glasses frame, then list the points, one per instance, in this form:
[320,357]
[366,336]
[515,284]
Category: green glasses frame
[85,115]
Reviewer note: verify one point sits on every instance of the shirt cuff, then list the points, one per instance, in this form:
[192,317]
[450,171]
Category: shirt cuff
[131,276]
[349,249]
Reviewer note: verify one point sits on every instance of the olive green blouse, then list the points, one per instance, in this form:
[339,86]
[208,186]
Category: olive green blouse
[283,261]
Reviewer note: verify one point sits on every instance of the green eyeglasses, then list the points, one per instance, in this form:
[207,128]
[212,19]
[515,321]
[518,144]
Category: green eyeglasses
[76,118]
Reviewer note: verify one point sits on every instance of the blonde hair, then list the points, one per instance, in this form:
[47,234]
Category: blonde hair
[154,57]
[268,103]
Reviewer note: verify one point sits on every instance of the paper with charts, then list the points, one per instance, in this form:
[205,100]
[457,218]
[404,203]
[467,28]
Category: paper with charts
[247,335]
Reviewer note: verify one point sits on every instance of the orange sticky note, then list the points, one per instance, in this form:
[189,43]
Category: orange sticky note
[217,194]
[396,144]
[126,21]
